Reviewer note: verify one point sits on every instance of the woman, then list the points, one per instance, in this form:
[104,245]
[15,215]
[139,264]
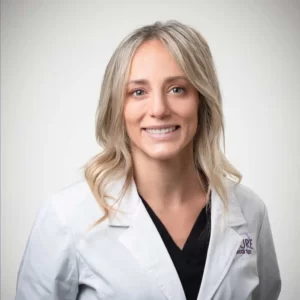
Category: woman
[170,219]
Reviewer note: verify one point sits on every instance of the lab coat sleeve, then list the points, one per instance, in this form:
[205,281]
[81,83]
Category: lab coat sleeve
[48,269]
[268,271]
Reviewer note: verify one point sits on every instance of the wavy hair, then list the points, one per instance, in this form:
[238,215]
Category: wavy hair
[192,53]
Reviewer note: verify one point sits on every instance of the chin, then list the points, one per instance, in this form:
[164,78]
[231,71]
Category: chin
[158,152]
[162,155]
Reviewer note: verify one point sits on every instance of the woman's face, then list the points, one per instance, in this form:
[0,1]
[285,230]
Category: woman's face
[161,105]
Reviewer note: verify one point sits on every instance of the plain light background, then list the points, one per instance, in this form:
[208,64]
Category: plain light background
[53,55]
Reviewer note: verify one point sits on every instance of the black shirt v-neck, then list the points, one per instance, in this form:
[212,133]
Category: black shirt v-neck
[190,261]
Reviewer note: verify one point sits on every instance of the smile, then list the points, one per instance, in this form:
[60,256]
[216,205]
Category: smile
[163,134]
[161,130]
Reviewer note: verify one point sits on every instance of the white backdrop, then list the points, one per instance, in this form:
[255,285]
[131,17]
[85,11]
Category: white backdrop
[53,55]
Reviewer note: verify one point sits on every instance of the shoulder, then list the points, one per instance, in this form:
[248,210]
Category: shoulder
[252,206]
[49,266]
[74,206]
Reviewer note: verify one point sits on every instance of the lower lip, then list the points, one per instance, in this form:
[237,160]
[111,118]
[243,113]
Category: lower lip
[163,136]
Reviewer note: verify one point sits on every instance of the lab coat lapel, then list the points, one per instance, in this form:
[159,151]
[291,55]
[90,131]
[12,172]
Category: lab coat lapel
[224,243]
[144,242]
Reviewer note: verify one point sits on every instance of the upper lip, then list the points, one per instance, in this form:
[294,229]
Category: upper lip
[160,126]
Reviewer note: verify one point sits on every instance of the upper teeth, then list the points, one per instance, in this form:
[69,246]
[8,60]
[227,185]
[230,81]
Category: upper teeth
[161,131]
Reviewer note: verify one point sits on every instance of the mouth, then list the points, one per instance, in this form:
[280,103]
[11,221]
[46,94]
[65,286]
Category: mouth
[162,130]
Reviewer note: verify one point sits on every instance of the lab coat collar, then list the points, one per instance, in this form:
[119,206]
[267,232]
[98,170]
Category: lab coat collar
[127,207]
[224,241]
[144,242]
[234,214]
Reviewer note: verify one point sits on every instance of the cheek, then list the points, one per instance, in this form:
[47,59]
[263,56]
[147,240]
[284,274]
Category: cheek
[191,117]
[191,123]
[195,113]
[188,110]
[131,117]
[128,114]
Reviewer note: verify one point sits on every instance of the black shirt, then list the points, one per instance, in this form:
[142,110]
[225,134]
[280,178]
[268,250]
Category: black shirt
[190,261]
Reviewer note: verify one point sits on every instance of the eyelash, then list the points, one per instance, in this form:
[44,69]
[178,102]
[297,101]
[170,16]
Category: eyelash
[176,87]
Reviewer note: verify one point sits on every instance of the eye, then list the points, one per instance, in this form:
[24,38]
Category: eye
[178,90]
[138,93]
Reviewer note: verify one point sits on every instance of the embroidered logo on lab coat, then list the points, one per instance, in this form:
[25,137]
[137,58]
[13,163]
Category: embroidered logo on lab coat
[246,247]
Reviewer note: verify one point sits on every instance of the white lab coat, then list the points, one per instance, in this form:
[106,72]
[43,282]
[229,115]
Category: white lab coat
[124,258]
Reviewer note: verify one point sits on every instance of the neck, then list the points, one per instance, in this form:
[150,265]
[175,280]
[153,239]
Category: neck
[167,183]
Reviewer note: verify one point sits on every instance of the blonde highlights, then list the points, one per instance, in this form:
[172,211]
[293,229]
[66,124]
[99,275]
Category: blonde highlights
[192,54]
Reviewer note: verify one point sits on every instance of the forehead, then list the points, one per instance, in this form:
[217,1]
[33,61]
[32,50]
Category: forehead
[152,58]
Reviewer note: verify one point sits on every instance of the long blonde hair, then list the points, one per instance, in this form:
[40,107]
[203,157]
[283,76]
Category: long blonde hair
[192,54]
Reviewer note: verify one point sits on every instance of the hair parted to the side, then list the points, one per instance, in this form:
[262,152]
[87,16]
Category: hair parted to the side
[192,53]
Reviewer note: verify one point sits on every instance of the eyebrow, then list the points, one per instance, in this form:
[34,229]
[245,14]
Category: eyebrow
[167,80]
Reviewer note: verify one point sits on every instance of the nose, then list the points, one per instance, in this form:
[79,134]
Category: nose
[159,106]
